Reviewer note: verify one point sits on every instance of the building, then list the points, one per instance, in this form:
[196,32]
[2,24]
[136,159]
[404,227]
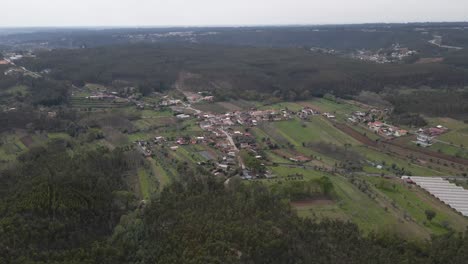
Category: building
[424,140]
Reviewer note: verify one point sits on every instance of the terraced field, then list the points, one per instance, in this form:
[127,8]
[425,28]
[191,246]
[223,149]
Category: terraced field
[83,103]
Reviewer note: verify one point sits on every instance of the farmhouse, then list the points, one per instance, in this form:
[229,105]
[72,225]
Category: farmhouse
[424,140]
[300,159]
[183,116]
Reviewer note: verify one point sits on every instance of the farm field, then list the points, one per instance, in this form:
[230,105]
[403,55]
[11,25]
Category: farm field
[349,204]
[414,202]
[83,103]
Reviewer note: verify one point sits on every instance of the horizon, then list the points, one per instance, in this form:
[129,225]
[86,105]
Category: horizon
[227,13]
[228,25]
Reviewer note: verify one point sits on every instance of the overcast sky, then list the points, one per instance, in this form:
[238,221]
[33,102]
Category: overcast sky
[225,12]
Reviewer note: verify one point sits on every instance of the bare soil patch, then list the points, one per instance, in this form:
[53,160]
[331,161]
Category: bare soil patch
[429,60]
[312,202]
[27,141]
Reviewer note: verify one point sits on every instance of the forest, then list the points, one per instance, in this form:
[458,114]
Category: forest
[62,208]
[238,72]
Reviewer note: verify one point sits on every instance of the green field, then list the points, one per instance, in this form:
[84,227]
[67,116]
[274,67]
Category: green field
[160,174]
[415,202]
[83,103]
[315,130]
[340,109]
[144,183]
[351,204]
[458,131]
[380,158]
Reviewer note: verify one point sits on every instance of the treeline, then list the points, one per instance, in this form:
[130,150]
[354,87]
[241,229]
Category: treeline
[233,72]
[29,118]
[452,103]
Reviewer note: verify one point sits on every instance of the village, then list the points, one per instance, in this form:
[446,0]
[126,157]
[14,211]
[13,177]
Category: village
[372,120]
[227,133]
[396,53]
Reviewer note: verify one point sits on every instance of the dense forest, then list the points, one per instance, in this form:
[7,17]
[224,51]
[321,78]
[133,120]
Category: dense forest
[233,72]
[63,208]
[339,37]
[453,103]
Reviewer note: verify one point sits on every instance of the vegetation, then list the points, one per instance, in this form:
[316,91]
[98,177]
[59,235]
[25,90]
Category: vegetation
[232,72]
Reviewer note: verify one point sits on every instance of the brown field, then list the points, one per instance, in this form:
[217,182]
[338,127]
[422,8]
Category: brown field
[429,60]
[27,141]
[230,106]
[311,202]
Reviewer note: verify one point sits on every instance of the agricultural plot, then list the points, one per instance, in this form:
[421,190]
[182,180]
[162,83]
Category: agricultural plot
[387,161]
[315,130]
[449,193]
[458,131]
[284,105]
[217,108]
[10,146]
[414,203]
[15,90]
[350,204]
[340,109]
[452,150]
[158,171]
[154,122]
[83,103]
[455,141]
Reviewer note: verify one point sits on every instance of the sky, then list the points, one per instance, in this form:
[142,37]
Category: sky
[65,13]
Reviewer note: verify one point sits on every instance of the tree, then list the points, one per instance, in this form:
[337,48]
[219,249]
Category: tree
[430,214]
[327,185]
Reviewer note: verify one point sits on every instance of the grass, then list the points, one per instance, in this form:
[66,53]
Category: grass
[284,105]
[379,158]
[450,150]
[315,130]
[58,136]
[155,114]
[340,109]
[144,183]
[352,204]
[80,102]
[18,89]
[415,202]
[458,131]
[161,175]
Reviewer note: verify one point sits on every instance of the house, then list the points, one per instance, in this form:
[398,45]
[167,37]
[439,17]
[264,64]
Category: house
[52,114]
[174,148]
[183,116]
[159,139]
[328,115]
[435,131]
[208,98]
[181,141]
[375,126]
[400,133]
[223,166]
[424,140]
[300,159]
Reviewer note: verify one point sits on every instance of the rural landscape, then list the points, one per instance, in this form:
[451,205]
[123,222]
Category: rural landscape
[326,144]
